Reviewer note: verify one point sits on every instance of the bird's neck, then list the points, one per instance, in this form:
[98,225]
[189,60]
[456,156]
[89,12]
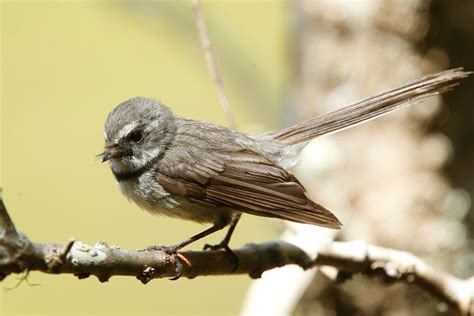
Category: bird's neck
[133,174]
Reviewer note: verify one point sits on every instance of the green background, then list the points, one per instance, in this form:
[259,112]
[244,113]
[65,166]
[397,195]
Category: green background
[64,66]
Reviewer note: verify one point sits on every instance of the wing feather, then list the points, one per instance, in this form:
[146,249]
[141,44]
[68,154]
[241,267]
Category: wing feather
[245,181]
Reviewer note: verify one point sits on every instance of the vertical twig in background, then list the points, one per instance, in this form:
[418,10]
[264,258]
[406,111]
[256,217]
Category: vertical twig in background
[211,62]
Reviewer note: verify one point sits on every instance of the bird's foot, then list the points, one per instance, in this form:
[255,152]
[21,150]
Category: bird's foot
[172,251]
[224,245]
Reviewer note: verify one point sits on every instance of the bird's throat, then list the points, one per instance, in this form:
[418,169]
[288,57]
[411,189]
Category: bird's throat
[129,175]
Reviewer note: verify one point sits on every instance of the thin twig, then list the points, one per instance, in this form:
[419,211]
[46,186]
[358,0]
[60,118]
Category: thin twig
[7,228]
[211,62]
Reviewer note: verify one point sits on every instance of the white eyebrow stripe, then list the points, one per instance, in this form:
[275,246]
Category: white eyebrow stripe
[126,130]
[153,124]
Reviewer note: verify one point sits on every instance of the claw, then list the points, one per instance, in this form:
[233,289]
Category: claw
[232,255]
[172,252]
[178,269]
[209,247]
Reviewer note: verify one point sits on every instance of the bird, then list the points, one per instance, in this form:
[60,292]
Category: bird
[211,174]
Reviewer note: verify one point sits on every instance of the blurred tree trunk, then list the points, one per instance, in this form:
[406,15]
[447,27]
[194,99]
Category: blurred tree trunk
[452,29]
[386,176]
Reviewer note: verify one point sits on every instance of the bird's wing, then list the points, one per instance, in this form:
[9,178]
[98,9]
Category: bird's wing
[245,181]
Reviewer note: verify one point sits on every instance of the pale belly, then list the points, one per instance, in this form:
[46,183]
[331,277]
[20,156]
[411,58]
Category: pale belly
[152,197]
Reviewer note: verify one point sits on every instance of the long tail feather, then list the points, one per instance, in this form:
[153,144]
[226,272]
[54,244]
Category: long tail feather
[372,107]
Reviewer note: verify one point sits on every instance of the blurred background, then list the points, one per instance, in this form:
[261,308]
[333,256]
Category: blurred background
[404,181]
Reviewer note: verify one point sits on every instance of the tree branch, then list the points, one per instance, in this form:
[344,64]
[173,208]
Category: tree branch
[18,254]
[211,62]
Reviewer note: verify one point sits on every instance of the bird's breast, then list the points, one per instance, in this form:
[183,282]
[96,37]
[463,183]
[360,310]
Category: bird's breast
[149,195]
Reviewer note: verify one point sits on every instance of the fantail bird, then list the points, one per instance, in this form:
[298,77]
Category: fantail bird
[207,173]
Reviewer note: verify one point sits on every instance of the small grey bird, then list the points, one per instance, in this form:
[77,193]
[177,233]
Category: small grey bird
[207,173]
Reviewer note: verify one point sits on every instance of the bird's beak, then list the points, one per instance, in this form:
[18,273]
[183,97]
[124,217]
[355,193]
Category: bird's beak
[114,151]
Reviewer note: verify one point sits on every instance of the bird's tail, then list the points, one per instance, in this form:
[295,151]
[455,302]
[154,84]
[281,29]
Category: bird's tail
[372,107]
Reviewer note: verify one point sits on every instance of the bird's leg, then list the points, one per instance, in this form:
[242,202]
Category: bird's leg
[173,250]
[224,244]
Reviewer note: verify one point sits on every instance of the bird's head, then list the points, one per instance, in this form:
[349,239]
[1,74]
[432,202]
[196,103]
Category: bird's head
[137,133]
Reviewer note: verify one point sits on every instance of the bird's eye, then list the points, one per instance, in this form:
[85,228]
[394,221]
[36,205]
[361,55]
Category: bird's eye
[135,136]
